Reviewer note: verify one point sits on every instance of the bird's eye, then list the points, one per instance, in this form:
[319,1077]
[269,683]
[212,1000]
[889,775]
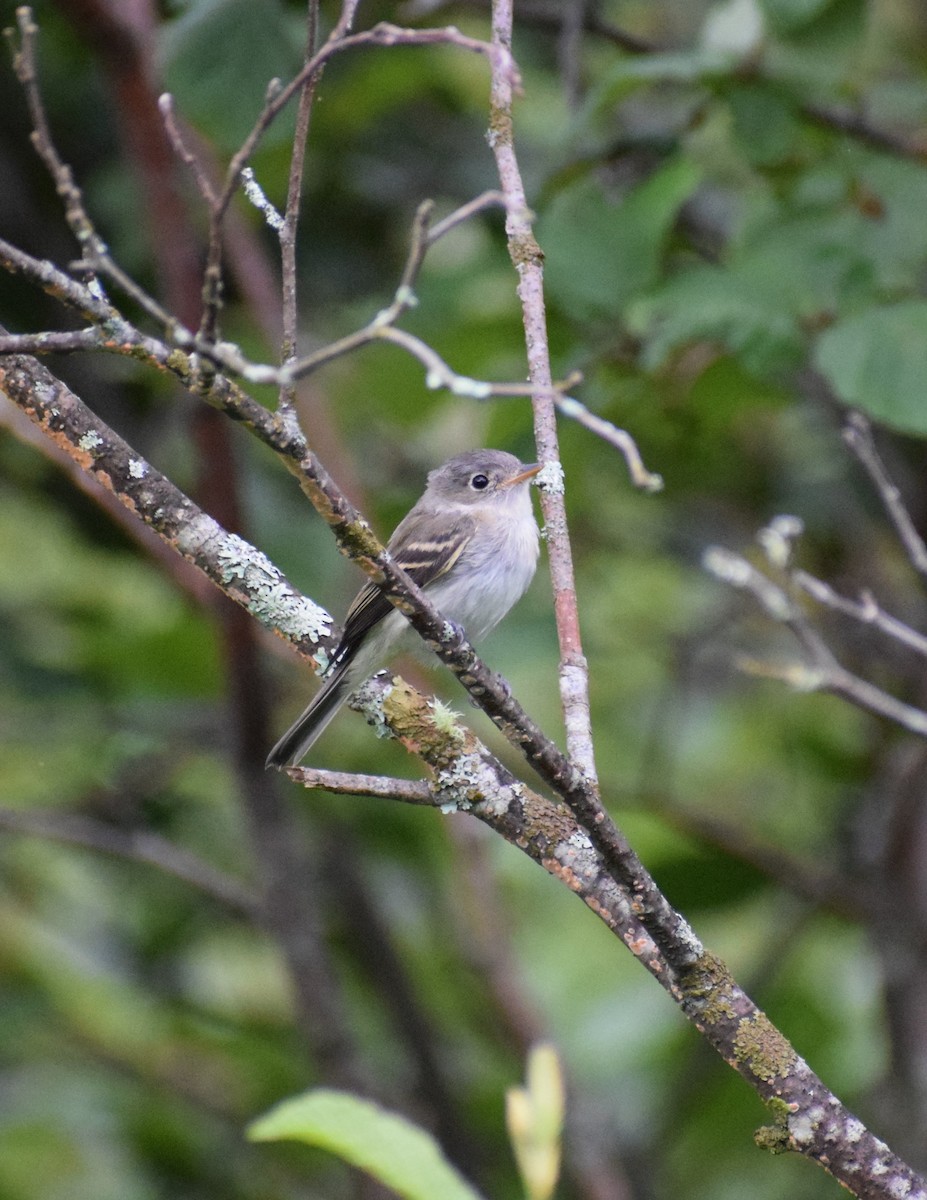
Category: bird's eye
[479,482]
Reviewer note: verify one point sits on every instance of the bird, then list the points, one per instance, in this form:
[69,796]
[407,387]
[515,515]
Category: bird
[470,542]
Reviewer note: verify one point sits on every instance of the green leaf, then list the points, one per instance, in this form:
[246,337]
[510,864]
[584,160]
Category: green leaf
[764,121]
[877,361]
[219,58]
[630,73]
[598,252]
[708,304]
[788,15]
[392,1149]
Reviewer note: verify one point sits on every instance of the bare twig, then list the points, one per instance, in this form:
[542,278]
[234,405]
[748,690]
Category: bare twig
[381,787]
[383,34]
[484,200]
[528,261]
[182,150]
[24,64]
[866,610]
[649,481]
[822,672]
[73,341]
[287,229]
[857,434]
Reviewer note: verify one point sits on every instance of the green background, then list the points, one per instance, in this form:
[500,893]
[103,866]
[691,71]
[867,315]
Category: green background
[729,268]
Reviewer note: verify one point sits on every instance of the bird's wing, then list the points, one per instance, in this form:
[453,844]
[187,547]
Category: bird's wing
[424,559]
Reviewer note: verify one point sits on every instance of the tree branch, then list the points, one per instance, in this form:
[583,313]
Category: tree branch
[821,672]
[857,434]
[807,1117]
[238,569]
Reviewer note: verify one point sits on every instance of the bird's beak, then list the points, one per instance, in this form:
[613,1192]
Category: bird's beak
[528,473]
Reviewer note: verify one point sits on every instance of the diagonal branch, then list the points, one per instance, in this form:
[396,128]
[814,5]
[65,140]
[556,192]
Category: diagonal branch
[807,1117]
[238,569]
[253,582]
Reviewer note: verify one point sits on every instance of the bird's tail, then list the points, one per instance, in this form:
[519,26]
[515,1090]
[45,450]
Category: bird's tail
[295,743]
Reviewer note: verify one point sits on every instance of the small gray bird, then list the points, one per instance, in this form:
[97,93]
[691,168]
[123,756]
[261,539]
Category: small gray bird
[471,542]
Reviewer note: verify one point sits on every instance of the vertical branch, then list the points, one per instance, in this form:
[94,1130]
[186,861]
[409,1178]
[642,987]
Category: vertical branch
[291,214]
[528,261]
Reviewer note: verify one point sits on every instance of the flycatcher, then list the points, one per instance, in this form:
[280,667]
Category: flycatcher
[471,542]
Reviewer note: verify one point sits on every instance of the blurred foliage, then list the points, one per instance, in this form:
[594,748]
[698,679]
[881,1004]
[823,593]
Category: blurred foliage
[391,1149]
[711,241]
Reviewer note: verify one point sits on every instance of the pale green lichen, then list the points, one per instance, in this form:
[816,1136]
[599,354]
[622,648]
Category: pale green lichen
[550,478]
[776,1137]
[708,984]
[369,700]
[762,1049]
[458,783]
[270,597]
[89,441]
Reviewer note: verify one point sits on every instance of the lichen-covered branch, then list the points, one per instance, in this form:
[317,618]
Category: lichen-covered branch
[250,579]
[806,1117]
[245,574]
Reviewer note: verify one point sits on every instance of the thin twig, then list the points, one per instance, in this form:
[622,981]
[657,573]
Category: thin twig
[287,230]
[380,328]
[857,434]
[183,151]
[866,610]
[383,34]
[488,199]
[649,481]
[822,672]
[528,261]
[381,787]
[72,341]
[24,64]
